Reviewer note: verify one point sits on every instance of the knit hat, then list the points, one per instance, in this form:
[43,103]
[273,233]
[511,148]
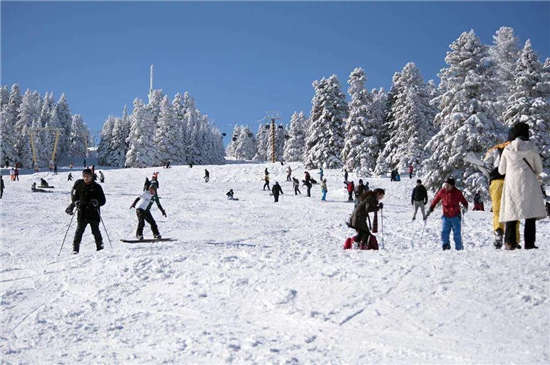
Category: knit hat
[450,181]
[87,172]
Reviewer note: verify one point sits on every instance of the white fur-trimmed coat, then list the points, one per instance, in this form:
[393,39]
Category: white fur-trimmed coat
[521,195]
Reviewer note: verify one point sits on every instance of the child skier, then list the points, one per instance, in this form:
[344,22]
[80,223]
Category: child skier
[450,198]
[143,212]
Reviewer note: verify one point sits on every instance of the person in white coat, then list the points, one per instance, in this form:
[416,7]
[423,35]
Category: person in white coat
[522,196]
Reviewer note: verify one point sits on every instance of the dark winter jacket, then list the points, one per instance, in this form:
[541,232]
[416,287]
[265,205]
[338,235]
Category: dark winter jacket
[419,193]
[1,184]
[87,195]
[276,189]
[450,200]
[367,205]
[360,189]
[146,184]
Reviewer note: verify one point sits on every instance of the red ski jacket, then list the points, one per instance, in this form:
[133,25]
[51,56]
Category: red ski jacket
[450,200]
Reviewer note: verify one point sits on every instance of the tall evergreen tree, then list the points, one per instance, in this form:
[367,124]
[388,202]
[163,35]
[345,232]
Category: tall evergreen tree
[178,105]
[7,128]
[29,111]
[104,147]
[356,123]
[325,136]
[262,142]
[410,122]
[245,146]
[230,150]
[78,139]
[295,145]
[527,102]
[64,119]
[167,137]
[467,118]
[140,141]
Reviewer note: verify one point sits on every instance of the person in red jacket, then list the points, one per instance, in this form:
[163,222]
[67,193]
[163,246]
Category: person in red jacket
[450,198]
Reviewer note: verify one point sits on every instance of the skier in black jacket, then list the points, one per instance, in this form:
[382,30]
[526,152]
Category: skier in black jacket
[276,190]
[87,196]
[419,199]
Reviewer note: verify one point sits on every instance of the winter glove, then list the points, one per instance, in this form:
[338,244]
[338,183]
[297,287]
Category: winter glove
[94,203]
[380,205]
[464,210]
[69,209]
[164,213]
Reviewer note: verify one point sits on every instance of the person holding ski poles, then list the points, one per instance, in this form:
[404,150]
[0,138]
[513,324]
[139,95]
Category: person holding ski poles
[370,202]
[87,196]
[419,199]
[521,196]
[450,198]
[143,212]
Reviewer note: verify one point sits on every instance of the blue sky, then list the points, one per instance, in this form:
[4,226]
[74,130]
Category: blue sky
[238,60]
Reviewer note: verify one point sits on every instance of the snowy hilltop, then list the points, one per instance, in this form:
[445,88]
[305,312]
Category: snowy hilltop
[251,281]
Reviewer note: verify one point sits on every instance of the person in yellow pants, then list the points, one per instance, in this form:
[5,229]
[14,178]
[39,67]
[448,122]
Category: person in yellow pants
[495,191]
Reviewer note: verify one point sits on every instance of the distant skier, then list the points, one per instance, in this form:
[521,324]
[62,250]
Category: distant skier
[288,173]
[154,181]
[307,183]
[101,177]
[16,173]
[478,203]
[321,173]
[411,169]
[146,184]
[358,191]
[419,198]
[143,212]
[370,202]
[167,166]
[44,183]
[70,177]
[266,172]
[451,198]
[87,196]
[345,175]
[71,166]
[350,187]
[1,186]
[206,175]
[276,190]
[324,189]
[230,195]
[522,196]
[296,185]
[266,182]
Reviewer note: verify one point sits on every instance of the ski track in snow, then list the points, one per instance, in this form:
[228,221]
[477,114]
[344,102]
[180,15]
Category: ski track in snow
[251,281]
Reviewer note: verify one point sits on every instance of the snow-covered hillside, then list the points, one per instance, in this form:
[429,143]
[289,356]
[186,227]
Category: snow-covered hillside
[254,281]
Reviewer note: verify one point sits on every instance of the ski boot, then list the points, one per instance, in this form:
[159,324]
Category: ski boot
[446,247]
[157,236]
[139,236]
[99,246]
[76,247]
[498,238]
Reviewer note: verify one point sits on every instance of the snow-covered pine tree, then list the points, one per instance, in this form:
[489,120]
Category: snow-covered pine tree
[29,111]
[467,118]
[528,104]
[105,143]
[375,131]
[44,138]
[295,144]
[262,142]
[64,119]
[230,150]
[7,128]
[245,146]
[78,139]
[119,136]
[356,123]
[178,106]
[4,96]
[192,126]
[544,85]
[325,135]
[409,122]
[504,53]
[140,141]
[167,138]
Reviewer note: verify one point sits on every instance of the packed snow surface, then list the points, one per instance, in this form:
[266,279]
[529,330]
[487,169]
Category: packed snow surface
[259,282]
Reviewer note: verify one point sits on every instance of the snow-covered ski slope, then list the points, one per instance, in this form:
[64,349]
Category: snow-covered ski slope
[251,281]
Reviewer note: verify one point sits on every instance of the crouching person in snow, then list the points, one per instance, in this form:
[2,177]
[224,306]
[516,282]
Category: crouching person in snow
[521,196]
[450,198]
[143,212]
[370,202]
[230,195]
[87,196]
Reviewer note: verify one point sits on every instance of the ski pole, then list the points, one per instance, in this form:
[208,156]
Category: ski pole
[67,231]
[105,228]
[382,226]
